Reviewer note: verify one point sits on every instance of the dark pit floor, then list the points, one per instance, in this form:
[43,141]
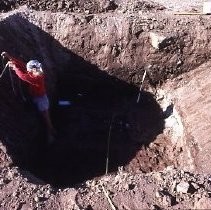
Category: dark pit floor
[81,147]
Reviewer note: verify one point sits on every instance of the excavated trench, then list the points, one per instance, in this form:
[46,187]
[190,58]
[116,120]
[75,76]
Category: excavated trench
[102,122]
[98,124]
[99,78]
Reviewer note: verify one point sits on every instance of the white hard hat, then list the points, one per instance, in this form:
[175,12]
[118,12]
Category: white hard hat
[33,64]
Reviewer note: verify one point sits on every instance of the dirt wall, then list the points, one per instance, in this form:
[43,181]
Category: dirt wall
[120,44]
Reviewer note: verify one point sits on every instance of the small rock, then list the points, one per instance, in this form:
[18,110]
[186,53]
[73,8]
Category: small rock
[154,207]
[170,168]
[166,201]
[48,192]
[183,187]
[1,181]
[173,185]
[36,199]
[195,185]
[156,40]
[14,194]
[157,194]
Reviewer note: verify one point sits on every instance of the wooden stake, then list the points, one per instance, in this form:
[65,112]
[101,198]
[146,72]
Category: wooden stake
[140,89]
[109,199]
[189,13]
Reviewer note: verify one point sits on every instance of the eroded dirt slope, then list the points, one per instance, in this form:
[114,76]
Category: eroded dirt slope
[191,97]
[122,44]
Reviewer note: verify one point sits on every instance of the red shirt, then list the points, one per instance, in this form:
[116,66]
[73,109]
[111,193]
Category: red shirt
[36,82]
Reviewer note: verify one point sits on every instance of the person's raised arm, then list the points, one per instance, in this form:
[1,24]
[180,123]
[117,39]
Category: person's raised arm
[20,69]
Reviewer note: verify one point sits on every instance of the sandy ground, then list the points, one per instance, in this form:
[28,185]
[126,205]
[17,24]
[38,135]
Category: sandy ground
[178,5]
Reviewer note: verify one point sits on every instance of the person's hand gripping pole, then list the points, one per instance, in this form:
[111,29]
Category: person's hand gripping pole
[5,55]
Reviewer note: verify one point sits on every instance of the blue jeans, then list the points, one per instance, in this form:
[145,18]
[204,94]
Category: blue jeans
[41,102]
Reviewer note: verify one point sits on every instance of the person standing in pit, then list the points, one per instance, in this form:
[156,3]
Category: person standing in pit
[33,74]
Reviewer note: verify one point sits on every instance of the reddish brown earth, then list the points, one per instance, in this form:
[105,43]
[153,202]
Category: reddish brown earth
[95,54]
[191,98]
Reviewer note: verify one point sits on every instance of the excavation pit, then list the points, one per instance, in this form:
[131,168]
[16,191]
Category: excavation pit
[97,126]
[103,109]
[98,54]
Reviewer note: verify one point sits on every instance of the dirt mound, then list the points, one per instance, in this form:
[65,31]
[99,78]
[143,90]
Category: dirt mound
[61,6]
[141,6]
[84,6]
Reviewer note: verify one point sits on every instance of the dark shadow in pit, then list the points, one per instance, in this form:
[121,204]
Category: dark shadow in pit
[99,105]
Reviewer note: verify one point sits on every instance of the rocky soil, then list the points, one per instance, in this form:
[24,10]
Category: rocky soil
[103,6]
[95,54]
[167,189]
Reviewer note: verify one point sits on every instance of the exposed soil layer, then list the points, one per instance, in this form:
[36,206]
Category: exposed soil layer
[191,99]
